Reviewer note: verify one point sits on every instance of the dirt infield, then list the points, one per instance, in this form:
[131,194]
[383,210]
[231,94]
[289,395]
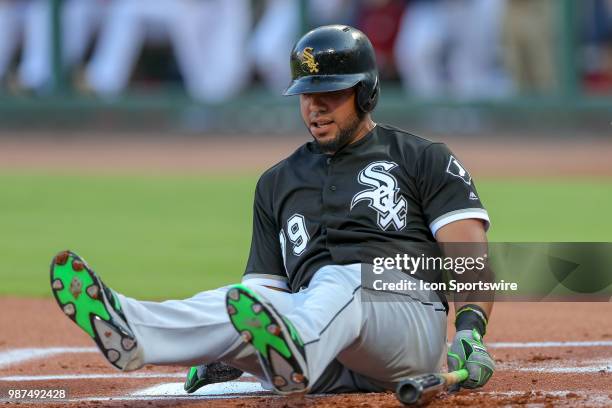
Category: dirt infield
[556,354]
[547,354]
[518,157]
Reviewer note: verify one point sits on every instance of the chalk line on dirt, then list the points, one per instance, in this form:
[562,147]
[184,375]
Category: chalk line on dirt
[20,355]
[591,398]
[16,356]
[570,370]
[90,376]
[562,367]
[545,344]
[590,366]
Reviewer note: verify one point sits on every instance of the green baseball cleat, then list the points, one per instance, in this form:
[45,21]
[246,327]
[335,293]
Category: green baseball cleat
[212,373]
[278,345]
[93,307]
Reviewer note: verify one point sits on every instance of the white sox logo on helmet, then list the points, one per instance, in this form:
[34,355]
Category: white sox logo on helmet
[384,196]
[309,60]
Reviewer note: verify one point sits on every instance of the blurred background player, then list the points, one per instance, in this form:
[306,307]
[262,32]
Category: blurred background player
[208,39]
[596,23]
[457,49]
[11,23]
[529,44]
[80,20]
[448,47]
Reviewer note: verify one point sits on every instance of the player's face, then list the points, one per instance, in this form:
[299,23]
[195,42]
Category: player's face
[331,118]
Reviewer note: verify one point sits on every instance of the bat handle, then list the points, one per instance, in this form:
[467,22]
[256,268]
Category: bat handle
[455,377]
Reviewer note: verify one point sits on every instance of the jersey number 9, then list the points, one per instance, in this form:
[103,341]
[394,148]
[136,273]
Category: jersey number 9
[297,234]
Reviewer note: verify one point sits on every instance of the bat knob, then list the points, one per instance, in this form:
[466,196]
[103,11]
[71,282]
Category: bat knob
[419,390]
[409,391]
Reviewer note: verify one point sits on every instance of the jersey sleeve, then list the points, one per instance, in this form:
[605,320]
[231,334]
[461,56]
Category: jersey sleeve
[265,265]
[447,190]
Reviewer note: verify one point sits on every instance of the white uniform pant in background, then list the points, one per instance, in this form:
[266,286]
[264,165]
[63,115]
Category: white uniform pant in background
[208,38]
[80,19]
[355,339]
[272,40]
[468,31]
[11,21]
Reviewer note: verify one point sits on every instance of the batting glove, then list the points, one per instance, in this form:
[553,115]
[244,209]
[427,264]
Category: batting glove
[467,350]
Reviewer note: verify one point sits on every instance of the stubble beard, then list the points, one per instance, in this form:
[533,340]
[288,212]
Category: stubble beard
[344,137]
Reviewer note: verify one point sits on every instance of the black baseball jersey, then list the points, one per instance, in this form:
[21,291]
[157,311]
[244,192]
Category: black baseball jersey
[313,209]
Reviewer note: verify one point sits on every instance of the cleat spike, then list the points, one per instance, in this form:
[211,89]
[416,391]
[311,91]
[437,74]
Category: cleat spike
[57,284]
[69,309]
[279,381]
[127,344]
[274,329]
[231,310]
[77,265]
[256,308]
[61,258]
[234,294]
[93,291]
[297,378]
[113,355]
[76,287]
[246,336]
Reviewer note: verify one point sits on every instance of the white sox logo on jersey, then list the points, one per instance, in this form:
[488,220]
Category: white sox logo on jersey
[384,195]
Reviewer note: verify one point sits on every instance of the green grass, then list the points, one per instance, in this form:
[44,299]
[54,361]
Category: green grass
[170,237]
[148,237]
[548,210]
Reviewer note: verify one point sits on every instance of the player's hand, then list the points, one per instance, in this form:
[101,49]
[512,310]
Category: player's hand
[468,351]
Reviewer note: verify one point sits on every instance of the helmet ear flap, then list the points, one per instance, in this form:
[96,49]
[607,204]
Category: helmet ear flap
[367,96]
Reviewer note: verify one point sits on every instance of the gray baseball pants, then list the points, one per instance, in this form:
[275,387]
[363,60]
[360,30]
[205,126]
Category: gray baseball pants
[356,339]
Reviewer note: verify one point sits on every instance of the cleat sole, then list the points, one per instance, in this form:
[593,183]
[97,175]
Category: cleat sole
[91,310]
[278,346]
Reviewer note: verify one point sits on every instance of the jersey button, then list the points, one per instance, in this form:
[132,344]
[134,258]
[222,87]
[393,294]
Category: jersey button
[328,160]
[332,188]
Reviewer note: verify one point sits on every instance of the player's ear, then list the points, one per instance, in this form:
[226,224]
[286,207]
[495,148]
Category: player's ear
[361,114]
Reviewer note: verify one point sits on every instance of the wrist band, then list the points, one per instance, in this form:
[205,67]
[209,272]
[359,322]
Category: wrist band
[470,317]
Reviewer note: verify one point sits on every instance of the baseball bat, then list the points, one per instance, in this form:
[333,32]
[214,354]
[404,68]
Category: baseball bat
[420,390]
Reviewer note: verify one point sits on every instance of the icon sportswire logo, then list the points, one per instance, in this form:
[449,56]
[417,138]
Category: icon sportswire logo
[383,196]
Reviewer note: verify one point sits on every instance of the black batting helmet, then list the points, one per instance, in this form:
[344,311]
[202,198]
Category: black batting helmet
[332,58]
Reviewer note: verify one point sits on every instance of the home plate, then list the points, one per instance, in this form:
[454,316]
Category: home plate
[216,390]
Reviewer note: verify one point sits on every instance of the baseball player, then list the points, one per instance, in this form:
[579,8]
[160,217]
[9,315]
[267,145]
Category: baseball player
[301,320]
